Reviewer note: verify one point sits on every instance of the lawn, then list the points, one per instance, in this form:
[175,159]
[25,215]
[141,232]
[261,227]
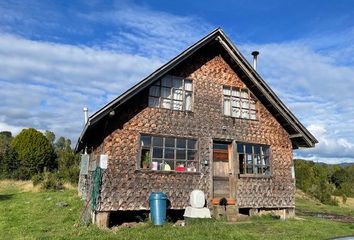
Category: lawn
[27,213]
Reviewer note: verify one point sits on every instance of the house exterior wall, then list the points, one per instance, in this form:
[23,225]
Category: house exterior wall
[127,188]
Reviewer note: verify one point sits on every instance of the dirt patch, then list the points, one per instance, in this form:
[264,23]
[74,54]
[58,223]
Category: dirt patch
[331,216]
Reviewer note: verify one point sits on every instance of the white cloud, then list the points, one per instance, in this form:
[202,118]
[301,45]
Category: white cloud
[45,85]
[148,32]
[316,86]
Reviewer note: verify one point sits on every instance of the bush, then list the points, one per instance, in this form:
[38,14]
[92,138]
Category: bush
[52,181]
[37,179]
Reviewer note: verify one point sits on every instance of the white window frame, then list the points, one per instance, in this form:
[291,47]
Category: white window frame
[241,103]
[167,86]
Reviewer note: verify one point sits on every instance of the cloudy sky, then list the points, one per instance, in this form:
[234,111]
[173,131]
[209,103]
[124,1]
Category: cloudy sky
[58,56]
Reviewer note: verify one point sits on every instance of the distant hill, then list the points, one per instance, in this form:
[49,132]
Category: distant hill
[345,164]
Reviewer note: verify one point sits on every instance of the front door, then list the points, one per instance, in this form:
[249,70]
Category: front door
[222,169]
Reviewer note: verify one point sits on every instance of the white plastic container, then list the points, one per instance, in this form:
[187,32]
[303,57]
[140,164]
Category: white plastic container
[197,199]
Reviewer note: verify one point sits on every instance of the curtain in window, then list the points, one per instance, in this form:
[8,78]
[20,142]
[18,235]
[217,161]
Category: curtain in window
[154,102]
[154,91]
[227,108]
[166,92]
[188,101]
[188,85]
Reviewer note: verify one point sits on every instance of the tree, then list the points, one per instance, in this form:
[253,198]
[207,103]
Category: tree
[8,159]
[50,136]
[34,153]
[60,143]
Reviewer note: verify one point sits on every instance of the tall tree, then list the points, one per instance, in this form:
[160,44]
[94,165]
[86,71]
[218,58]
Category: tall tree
[50,136]
[34,152]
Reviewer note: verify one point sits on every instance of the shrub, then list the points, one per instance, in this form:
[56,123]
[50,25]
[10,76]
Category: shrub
[52,181]
[37,179]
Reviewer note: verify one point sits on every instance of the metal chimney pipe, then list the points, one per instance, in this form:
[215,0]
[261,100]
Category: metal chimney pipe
[255,54]
[85,114]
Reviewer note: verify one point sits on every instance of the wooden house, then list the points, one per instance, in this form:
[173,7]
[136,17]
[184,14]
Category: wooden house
[205,120]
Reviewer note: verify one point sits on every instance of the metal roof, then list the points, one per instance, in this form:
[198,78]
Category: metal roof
[299,135]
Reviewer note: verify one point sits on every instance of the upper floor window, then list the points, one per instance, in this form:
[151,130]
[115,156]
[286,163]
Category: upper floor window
[254,159]
[172,93]
[239,103]
[168,153]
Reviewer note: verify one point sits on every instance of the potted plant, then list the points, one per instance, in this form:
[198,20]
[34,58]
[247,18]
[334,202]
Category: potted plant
[146,160]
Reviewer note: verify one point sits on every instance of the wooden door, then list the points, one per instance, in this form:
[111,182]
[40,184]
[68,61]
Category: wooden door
[222,170]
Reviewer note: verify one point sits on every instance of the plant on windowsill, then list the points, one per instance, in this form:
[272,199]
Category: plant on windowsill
[146,160]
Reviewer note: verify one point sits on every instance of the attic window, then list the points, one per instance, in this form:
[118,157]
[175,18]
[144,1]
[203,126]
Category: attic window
[171,92]
[253,159]
[239,103]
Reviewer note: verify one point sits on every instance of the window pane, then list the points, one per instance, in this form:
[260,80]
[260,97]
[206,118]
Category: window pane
[245,114]
[154,102]
[169,142]
[236,112]
[244,93]
[188,85]
[192,144]
[227,106]
[249,169]
[245,104]
[166,103]
[145,141]
[192,155]
[166,92]
[191,166]
[169,153]
[157,141]
[154,91]
[266,150]
[180,154]
[181,166]
[248,148]
[157,153]
[181,143]
[155,164]
[167,81]
[235,92]
[188,101]
[169,165]
[178,83]
[235,102]
[227,91]
[240,148]
[257,159]
[252,105]
[177,105]
[177,94]
[257,149]
[253,115]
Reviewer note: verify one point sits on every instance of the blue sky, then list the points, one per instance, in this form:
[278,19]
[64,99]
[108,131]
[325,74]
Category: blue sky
[58,56]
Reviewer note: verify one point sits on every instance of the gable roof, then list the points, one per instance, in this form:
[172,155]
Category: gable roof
[298,134]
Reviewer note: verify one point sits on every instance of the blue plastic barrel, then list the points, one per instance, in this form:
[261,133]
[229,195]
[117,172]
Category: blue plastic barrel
[157,202]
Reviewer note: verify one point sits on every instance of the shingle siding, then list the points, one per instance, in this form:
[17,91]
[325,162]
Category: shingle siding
[126,188]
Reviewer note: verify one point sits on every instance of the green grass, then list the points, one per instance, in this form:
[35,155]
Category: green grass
[26,214]
[305,203]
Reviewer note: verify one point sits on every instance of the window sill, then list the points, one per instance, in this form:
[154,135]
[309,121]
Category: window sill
[172,110]
[254,176]
[248,119]
[164,172]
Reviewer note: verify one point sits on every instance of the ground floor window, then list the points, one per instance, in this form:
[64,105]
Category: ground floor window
[254,159]
[168,153]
